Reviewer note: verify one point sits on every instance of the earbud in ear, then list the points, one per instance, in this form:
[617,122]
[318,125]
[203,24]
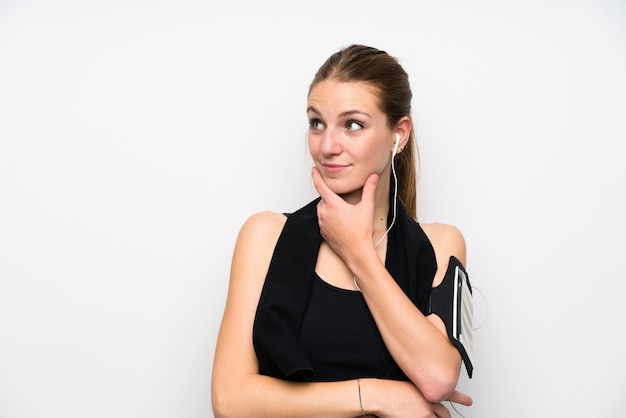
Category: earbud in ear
[395,146]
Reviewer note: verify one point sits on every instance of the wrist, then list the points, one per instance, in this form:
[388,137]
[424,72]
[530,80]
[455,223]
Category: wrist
[367,271]
[368,399]
[362,259]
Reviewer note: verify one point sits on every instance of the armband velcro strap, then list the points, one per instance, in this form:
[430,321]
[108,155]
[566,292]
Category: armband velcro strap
[451,300]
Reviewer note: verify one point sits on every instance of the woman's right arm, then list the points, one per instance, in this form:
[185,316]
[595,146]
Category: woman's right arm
[237,388]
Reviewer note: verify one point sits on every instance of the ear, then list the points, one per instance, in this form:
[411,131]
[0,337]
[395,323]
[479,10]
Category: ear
[403,127]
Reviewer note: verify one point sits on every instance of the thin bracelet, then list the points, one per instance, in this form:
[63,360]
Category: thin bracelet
[358,382]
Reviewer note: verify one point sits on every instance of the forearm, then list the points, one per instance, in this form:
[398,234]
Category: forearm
[421,350]
[256,395]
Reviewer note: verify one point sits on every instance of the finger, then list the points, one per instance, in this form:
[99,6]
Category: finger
[320,185]
[369,189]
[441,411]
[460,398]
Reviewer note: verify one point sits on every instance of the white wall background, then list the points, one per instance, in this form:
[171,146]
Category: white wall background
[137,136]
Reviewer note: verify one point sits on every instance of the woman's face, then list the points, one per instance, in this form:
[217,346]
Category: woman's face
[349,138]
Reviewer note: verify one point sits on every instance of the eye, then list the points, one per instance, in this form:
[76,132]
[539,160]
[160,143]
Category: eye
[353,125]
[316,124]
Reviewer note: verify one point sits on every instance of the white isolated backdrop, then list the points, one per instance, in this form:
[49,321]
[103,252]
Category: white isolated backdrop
[136,137]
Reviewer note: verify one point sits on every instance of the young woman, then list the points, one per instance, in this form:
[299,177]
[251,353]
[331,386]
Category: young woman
[326,313]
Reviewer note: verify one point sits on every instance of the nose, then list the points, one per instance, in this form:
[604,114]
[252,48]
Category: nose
[331,143]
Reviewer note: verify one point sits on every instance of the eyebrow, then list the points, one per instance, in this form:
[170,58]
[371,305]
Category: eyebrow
[342,114]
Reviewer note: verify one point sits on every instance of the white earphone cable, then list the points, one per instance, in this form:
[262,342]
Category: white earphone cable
[395,208]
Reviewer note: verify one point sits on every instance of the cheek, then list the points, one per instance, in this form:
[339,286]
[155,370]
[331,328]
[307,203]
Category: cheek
[379,156]
[314,146]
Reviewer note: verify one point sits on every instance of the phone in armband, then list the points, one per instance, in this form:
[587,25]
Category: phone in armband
[451,300]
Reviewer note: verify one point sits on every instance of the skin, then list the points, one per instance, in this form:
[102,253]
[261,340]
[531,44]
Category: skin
[350,144]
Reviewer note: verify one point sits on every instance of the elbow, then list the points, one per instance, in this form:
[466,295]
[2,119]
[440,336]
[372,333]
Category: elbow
[222,404]
[218,404]
[440,384]
[437,392]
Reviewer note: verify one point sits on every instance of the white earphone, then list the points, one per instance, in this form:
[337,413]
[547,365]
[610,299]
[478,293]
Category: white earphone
[395,146]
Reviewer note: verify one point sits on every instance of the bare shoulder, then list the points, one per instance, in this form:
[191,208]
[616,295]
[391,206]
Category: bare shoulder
[447,240]
[263,225]
[257,238]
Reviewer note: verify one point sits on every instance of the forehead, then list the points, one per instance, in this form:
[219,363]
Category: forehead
[341,94]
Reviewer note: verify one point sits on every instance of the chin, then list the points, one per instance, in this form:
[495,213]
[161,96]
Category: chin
[345,190]
[345,185]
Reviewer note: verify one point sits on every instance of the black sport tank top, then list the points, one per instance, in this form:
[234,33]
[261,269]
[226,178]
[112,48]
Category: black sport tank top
[339,334]
[286,294]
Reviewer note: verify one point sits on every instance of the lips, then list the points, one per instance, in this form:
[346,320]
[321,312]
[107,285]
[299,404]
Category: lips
[333,168]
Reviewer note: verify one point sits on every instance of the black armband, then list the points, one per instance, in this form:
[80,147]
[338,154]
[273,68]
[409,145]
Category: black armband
[452,302]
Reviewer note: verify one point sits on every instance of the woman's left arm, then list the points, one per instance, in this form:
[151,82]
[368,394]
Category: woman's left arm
[419,344]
